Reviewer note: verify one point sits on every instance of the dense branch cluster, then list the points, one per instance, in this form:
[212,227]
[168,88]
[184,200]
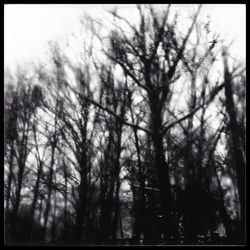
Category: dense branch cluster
[149,144]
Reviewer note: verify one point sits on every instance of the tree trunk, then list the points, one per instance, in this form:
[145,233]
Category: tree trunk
[35,198]
[50,183]
[21,165]
[82,200]
[142,201]
[53,229]
[239,161]
[116,209]
[162,167]
[10,177]
[65,223]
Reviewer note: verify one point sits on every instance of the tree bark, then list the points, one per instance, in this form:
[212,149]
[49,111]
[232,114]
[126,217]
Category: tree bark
[239,161]
[162,167]
[10,177]
[82,200]
[50,183]
[35,198]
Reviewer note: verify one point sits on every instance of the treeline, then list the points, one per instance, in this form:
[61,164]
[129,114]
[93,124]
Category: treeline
[146,127]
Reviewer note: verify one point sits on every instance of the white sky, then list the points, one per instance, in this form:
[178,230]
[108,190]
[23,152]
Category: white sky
[29,28]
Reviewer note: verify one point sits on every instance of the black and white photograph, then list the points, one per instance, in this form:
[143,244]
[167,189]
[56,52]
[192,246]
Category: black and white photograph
[124,125]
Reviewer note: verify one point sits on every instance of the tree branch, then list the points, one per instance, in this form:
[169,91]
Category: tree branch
[119,119]
[212,96]
[183,46]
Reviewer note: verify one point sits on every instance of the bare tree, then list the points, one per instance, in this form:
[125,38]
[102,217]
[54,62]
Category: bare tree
[237,144]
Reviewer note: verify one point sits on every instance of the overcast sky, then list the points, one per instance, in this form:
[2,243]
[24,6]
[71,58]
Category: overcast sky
[28,28]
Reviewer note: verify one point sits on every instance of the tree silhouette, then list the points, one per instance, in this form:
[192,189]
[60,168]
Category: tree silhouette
[137,141]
